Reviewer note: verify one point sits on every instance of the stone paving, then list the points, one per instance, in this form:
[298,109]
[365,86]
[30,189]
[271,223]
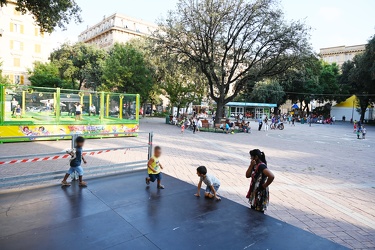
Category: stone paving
[325,177]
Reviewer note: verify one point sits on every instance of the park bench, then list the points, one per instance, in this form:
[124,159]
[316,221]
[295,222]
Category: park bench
[205,124]
[217,127]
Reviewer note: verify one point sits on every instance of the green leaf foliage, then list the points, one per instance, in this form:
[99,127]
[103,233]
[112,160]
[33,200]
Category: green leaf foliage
[49,14]
[125,71]
[45,75]
[79,64]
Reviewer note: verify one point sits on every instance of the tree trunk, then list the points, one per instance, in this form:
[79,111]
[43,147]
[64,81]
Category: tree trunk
[363,104]
[178,111]
[363,113]
[219,111]
[144,109]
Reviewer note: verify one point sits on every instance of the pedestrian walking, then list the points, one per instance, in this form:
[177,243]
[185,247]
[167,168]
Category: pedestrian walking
[260,124]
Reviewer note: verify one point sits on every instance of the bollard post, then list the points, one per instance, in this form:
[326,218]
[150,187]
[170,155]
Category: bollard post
[150,136]
[73,143]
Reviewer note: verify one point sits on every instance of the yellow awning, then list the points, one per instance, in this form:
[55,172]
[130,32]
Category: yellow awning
[348,103]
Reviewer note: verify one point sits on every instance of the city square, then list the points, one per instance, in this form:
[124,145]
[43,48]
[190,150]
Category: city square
[187,124]
[324,175]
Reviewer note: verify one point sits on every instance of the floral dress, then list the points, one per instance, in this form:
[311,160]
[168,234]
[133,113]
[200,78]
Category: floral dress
[257,195]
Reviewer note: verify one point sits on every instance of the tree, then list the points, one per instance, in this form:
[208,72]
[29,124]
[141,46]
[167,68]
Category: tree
[45,75]
[79,64]
[358,77]
[232,42]
[355,77]
[3,80]
[49,14]
[125,70]
[301,83]
[268,92]
[328,82]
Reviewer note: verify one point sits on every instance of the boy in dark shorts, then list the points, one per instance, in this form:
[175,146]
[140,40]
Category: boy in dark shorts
[75,163]
[154,168]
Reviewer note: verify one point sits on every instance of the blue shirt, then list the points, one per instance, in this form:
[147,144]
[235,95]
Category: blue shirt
[77,158]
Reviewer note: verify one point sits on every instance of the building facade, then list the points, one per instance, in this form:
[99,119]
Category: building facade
[116,28]
[21,44]
[341,54]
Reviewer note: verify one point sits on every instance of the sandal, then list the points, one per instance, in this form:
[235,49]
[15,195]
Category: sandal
[65,184]
[147,181]
[83,184]
[161,187]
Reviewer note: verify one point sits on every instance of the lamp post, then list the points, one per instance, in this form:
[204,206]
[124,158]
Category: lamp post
[353,112]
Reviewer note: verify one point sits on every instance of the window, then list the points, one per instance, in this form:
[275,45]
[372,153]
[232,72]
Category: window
[11,78]
[37,48]
[17,79]
[16,45]
[16,62]
[16,28]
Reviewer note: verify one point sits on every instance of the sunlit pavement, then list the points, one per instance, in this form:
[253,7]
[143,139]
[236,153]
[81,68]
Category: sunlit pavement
[325,176]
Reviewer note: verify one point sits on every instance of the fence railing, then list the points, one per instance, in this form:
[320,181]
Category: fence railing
[104,160]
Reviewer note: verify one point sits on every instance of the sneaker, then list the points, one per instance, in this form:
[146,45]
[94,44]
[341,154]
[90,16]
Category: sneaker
[161,187]
[147,181]
[83,184]
[65,183]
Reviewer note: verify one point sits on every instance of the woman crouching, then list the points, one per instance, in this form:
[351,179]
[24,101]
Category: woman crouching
[261,178]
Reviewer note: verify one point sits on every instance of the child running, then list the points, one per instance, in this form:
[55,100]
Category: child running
[154,166]
[212,184]
[75,163]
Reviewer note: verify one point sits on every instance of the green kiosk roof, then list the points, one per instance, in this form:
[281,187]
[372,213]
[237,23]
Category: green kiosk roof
[251,104]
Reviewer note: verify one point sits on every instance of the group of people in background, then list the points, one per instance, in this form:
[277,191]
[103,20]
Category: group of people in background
[194,124]
[359,129]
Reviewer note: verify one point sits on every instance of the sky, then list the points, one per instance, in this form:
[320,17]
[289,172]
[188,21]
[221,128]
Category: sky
[332,22]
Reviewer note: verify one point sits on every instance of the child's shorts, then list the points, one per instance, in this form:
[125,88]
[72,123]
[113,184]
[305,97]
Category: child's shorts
[154,177]
[79,170]
[208,189]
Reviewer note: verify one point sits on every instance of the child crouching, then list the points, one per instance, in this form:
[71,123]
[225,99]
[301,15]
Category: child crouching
[212,184]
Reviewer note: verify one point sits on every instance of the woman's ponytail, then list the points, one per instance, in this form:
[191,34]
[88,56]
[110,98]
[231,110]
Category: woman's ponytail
[263,158]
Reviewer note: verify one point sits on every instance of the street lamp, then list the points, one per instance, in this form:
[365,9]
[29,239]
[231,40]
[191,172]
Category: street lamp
[353,111]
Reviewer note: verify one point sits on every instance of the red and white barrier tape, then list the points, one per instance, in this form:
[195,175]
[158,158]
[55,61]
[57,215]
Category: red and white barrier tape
[56,157]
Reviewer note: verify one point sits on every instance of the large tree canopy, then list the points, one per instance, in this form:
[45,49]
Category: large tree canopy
[45,75]
[125,70]
[49,14]
[79,63]
[268,92]
[311,80]
[232,42]
[358,77]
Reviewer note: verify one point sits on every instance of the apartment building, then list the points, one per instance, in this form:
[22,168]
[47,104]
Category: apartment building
[21,44]
[341,54]
[116,28]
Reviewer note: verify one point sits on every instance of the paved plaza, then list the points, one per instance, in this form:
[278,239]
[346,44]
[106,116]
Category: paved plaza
[324,177]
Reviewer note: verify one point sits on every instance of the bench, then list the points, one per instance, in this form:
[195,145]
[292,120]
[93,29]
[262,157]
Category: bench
[205,124]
